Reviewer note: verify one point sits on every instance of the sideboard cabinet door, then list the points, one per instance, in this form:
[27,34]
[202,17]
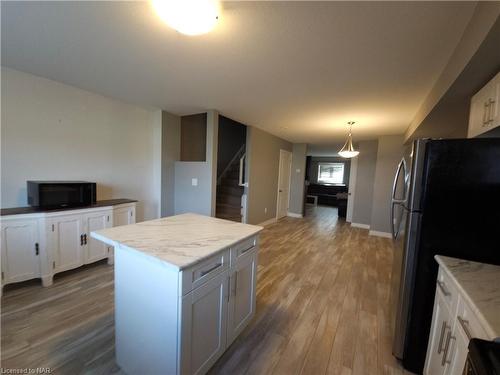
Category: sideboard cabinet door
[20,249]
[66,241]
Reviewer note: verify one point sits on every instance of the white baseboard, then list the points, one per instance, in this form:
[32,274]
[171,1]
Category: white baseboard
[359,225]
[268,222]
[292,214]
[380,234]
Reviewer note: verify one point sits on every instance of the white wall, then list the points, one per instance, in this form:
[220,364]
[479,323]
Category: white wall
[54,131]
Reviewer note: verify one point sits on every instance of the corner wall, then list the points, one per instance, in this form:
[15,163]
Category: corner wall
[170,153]
[263,152]
[389,154]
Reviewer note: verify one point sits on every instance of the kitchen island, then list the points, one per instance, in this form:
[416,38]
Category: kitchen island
[184,290]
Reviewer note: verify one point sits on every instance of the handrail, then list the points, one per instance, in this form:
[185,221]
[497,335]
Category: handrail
[236,156]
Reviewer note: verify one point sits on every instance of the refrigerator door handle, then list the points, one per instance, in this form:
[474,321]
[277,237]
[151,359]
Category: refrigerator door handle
[401,168]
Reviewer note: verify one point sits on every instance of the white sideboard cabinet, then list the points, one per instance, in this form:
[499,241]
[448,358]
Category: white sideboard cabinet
[41,244]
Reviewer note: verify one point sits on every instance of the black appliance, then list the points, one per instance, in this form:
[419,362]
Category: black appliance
[483,358]
[61,194]
[445,200]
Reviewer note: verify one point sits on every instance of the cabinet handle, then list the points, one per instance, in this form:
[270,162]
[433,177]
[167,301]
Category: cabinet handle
[246,250]
[465,326]
[441,337]
[37,249]
[203,273]
[445,360]
[81,239]
[85,239]
[235,283]
[491,107]
[485,113]
[443,288]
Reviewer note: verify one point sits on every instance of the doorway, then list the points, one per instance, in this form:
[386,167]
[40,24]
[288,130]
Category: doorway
[285,166]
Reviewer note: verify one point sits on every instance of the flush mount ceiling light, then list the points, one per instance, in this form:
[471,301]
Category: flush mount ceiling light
[190,17]
[348,150]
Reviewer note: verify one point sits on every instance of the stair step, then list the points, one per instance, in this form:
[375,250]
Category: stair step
[229,217]
[228,208]
[230,199]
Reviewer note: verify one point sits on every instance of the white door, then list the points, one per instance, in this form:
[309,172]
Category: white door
[19,250]
[95,249]
[124,216]
[67,242]
[440,330]
[285,166]
[351,188]
[241,307]
[204,324]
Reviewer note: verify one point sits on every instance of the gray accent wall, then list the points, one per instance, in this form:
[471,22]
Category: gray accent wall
[263,153]
[297,179]
[170,153]
[389,154]
[365,177]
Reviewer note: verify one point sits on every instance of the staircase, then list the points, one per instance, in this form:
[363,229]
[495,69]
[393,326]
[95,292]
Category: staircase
[228,202]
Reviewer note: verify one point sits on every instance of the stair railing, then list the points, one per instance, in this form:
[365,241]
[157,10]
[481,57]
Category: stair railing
[240,154]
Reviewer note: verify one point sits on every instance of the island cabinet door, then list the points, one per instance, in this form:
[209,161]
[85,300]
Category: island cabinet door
[241,305]
[203,325]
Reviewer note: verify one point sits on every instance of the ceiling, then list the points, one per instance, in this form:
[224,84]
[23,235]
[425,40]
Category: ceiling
[299,70]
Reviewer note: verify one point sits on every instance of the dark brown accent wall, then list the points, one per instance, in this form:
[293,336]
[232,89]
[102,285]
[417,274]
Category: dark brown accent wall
[194,137]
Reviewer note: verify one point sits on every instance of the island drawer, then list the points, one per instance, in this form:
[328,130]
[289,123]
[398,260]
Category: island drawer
[468,321]
[197,275]
[242,248]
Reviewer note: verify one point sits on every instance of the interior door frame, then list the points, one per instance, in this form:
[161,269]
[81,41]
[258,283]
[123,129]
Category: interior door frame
[283,152]
[351,188]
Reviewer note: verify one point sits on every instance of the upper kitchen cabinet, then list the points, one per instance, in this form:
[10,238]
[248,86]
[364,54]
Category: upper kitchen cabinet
[484,112]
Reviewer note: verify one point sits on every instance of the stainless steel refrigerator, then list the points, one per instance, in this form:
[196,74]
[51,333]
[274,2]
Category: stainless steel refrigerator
[445,200]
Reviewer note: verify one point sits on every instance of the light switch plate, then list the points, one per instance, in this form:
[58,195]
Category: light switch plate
[194,181]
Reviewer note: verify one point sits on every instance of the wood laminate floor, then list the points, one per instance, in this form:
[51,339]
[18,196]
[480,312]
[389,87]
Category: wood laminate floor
[322,308]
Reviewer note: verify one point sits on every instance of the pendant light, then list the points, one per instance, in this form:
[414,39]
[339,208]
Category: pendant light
[348,150]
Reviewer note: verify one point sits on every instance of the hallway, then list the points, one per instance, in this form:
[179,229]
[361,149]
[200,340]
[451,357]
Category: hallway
[322,307]
[322,302]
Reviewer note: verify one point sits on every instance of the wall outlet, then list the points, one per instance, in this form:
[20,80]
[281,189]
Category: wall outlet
[194,182]
[265,210]
[297,170]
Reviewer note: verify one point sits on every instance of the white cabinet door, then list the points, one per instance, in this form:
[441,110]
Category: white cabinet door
[95,249]
[124,215]
[204,324]
[439,335]
[241,306]
[457,350]
[20,260]
[485,108]
[67,242]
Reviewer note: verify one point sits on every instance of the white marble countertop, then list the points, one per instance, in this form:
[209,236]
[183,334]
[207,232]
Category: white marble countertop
[180,240]
[479,283]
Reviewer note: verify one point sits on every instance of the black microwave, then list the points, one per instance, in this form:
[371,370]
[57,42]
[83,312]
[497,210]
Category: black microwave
[61,194]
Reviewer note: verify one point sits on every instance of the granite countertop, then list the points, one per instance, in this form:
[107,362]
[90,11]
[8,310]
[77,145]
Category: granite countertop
[181,240]
[36,210]
[479,283]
